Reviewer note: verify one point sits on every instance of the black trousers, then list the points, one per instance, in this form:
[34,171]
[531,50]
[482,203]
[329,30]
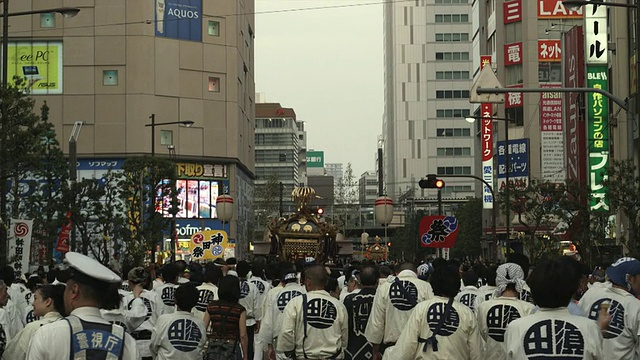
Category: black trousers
[250,334]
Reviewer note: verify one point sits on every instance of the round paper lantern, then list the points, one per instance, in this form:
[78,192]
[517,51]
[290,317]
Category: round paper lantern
[384,210]
[364,238]
[224,207]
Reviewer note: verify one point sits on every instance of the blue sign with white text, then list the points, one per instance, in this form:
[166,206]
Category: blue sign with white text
[178,19]
[518,158]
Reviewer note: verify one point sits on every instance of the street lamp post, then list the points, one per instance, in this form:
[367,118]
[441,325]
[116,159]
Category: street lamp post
[472,119]
[153,125]
[67,12]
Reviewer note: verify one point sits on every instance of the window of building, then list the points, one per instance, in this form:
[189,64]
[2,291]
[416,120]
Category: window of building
[48,20]
[452,18]
[448,190]
[452,113]
[549,72]
[452,75]
[213,28]
[513,74]
[454,151]
[452,94]
[452,56]
[515,114]
[214,84]
[452,37]
[454,170]
[452,1]
[110,77]
[453,132]
[512,32]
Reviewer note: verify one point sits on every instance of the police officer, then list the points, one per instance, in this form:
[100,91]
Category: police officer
[392,307]
[84,333]
[314,325]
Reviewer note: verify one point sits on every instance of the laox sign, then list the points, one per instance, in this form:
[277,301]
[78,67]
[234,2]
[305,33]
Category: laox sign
[554,9]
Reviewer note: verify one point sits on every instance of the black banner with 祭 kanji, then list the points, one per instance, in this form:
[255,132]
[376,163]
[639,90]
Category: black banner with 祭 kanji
[438,231]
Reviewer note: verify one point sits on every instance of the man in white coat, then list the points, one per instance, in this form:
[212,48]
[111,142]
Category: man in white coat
[166,290]
[250,299]
[314,325]
[90,287]
[621,337]
[495,314]
[439,328]
[208,291]
[392,306]
[180,335]
[552,332]
[469,293]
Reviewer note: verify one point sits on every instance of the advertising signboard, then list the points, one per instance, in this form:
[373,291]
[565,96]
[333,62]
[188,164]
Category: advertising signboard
[178,19]
[552,149]
[575,129]
[598,136]
[518,163]
[38,63]
[315,159]
[487,143]
[554,9]
[438,231]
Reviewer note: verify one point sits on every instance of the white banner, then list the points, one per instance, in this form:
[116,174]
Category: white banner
[19,250]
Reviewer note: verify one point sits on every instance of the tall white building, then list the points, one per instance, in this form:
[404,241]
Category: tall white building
[428,74]
[335,170]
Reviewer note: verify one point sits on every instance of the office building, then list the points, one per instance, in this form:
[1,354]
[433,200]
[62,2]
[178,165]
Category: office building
[368,188]
[335,170]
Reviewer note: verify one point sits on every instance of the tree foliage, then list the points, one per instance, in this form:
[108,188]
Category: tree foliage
[623,192]
[470,231]
[346,211]
[265,205]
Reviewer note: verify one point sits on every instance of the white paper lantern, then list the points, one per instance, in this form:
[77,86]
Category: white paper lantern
[364,238]
[224,207]
[384,210]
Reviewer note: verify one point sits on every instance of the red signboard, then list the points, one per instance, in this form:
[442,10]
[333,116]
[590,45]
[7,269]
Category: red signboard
[63,239]
[487,132]
[549,50]
[513,54]
[514,99]
[554,9]
[575,131]
[438,231]
[512,11]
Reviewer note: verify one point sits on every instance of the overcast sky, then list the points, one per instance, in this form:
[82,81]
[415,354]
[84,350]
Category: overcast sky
[326,64]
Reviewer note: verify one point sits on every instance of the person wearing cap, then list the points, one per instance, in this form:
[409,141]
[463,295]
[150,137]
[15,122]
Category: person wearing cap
[552,332]
[141,324]
[48,306]
[84,332]
[166,290]
[392,306]
[621,337]
[180,335]
[439,328]
[314,325]
[274,308]
[496,313]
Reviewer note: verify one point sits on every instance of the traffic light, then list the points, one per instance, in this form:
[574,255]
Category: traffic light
[389,244]
[319,211]
[431,182]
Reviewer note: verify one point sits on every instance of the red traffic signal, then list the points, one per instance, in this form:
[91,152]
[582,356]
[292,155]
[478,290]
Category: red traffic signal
[389,244]
[431,182]
[319,211]
[439,183]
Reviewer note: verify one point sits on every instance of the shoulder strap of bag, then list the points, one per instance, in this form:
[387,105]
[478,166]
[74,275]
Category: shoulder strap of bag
[432,339]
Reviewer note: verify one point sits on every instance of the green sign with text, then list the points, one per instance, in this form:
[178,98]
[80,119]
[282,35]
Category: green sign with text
[598,136]
[315,159]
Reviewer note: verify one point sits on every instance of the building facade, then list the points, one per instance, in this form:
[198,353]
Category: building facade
[428,73]
[278,148]
[368,188]
[119,62]
[334,169]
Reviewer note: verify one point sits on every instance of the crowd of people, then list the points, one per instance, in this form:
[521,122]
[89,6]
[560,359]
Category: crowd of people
[440,309]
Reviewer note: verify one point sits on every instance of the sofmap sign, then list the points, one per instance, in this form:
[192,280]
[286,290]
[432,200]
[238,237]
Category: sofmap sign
[598,136]
[38,63]
[179,19]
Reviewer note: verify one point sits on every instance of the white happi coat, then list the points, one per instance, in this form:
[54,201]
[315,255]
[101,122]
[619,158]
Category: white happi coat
[551,333]
[458,337]
[207,292]
[493,317]
[391,309]
[485,293]
[179,335]
[272,319]
[53,341]
[327,328]
[166,293]
[250,299]
[137,321]
[622,336]
[468,296]
[17,348]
